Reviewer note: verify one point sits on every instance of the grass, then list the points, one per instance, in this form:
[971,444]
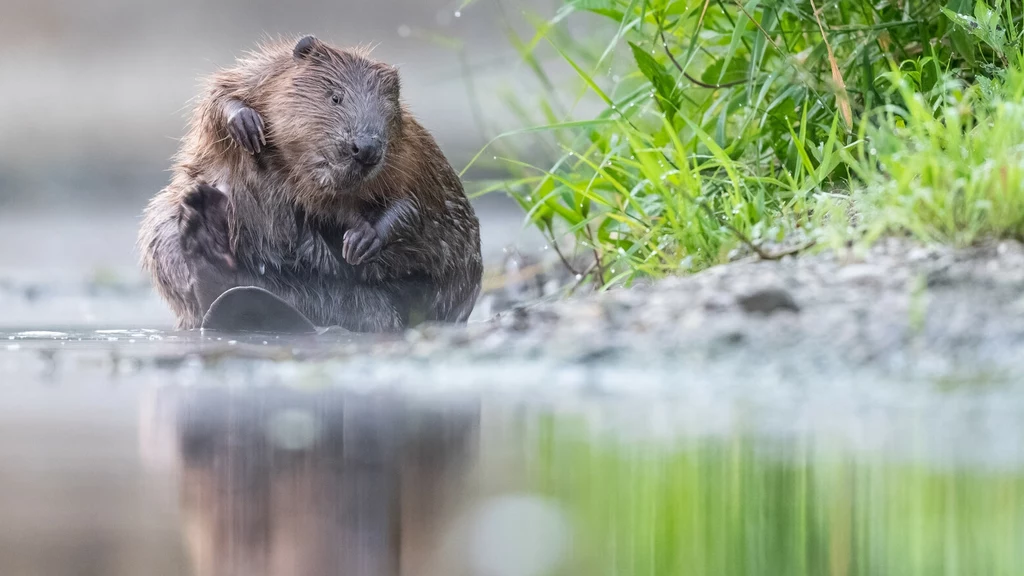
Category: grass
[685,132]
[672,135]
[947,169]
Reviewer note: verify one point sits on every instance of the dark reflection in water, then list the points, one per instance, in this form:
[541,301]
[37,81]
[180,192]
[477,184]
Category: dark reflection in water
[279,482]
[265,469]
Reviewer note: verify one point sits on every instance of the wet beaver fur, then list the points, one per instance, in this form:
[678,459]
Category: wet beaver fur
[304,174]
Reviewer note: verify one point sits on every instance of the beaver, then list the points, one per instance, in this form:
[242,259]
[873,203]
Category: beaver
[303,173]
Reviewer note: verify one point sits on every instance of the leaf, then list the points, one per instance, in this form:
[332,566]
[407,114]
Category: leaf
[737,37]
[583,75]
[842,97]
[737,71]
[984,25]
[606,8]
[663,82]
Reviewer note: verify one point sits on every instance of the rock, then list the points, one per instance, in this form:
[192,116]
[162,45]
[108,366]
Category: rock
[768,301]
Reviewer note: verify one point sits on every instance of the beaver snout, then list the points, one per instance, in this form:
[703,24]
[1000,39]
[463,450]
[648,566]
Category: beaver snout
[367,151]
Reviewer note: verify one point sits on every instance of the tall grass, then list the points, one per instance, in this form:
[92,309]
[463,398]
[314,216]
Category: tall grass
[742,126]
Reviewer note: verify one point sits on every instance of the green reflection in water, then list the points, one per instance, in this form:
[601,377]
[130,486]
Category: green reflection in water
[733,507]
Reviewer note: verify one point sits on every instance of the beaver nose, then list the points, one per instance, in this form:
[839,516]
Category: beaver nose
[366,151]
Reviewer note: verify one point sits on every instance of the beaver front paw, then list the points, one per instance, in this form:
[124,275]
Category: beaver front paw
[361,244]
[206,242]
[246,128]
[204,226]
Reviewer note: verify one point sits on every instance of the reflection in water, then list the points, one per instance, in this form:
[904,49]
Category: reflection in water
[742,506]
[278,482]
[264,480]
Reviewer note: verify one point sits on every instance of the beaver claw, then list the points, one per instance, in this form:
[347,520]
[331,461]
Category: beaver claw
[361,244]
[246,128]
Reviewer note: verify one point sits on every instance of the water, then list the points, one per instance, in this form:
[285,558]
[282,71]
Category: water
[148,452]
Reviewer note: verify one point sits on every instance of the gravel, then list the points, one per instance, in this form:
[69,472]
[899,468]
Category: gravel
[901,342]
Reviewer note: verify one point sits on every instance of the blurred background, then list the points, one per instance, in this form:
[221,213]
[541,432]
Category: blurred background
[95,95]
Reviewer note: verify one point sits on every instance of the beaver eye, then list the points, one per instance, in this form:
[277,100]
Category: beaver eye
[335,98]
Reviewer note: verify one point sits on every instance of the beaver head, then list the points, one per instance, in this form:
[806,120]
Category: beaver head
[335,120]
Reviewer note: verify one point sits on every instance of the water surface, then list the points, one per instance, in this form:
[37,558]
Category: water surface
[143,451]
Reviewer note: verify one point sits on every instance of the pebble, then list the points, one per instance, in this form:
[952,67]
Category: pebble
[768,301]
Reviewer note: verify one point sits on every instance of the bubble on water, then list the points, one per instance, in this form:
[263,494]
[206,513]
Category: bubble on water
[579,276]
[458,14]
[404,31]
[232,342]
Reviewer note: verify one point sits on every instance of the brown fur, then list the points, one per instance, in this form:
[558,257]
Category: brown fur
[290,204]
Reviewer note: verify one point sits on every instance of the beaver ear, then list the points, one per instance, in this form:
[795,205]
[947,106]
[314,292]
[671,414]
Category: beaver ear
[392,79]
[304,47]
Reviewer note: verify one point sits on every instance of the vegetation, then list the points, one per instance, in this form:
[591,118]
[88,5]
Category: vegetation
[766,126]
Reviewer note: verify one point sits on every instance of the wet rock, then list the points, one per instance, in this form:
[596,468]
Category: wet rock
[768,301]
[517,319]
